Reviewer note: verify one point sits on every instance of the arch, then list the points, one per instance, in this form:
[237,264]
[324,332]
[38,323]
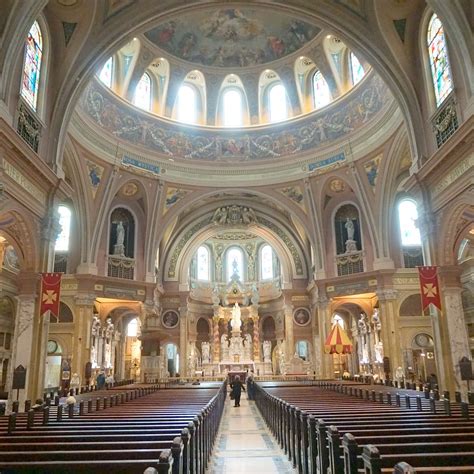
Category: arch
[266,262]
[203,257]
[411,306]
[268,328]
[232,98]
[347,227]
[65,313]
[122,232]
[356,69]
[187,107]
[407,217]
[320,90]
[277,103]
[234,263]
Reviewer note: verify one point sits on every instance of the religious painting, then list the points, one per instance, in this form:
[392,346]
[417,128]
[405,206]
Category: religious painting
[173,195]
[170,319]
[371,168]
[234,147]
[232,37]
[95,176]
[295,194]
[301,316]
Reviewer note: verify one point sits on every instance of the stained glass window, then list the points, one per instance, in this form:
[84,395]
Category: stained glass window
[266,262]
[142,97]
[439,62]
[62,241]
[277,103]
[187,104]
[203,263]
[234,264]
[32,66]
[233,108]
[106,72]
[321,93]
[408,214]
[357,71]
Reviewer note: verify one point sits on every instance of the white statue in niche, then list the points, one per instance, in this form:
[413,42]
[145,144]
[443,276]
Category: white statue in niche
[236,322]
[267,351]
[205,352]
[349,225]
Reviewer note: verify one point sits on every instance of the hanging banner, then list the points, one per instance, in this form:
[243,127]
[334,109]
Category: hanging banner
[429,287]
[50,292]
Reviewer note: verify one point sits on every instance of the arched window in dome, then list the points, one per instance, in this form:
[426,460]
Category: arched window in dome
[32,66]
[187,106]
[277,104]
[407,215]
[142,97]
[439,61]
[62,241]
[357,71]
[203,263]
[105,74]
[232,104]
[321,93]
[235,264]
[266,263]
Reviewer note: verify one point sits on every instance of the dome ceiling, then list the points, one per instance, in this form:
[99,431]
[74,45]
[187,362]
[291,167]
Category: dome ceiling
[232,37]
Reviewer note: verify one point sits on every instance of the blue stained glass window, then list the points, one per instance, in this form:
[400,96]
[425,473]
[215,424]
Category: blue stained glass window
[106,72]
[277,103]
[266,262]
[408,215]
[439,62]
[357,71]
[187,104]
[142,97]
[235,264]
[203,263]
[233,108]
[321,93]
[32,66]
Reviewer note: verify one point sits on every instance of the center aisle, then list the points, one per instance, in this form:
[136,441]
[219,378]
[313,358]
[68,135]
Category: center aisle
[244,444]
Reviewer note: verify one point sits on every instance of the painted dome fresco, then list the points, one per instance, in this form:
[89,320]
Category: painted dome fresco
[232,37]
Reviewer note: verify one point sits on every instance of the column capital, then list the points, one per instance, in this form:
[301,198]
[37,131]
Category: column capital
[386,294]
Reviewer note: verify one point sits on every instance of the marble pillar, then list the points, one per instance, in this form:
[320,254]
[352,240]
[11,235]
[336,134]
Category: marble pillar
[22,348]
[82,328]
[289,337]
[216,342]
[256,336]
[324,322]
[183,339]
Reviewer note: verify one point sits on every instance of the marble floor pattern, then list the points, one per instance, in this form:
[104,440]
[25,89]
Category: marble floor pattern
[245,445]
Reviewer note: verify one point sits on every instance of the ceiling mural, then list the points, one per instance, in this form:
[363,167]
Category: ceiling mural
[173,140]
[232,37]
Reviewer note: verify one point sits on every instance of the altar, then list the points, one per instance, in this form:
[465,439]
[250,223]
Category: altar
[227,367]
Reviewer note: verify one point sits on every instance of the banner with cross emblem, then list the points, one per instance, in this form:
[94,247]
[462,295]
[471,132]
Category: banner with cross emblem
[50,293]
[429,287]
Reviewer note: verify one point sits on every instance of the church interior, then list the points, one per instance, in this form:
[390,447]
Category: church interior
[234,188]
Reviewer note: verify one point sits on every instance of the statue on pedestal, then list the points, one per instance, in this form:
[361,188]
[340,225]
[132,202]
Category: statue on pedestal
[205,352]
[236,322]
[119,248]
[224,348]
[267,351]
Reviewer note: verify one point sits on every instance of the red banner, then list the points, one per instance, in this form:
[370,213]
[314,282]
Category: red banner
[429,287]
[50,292]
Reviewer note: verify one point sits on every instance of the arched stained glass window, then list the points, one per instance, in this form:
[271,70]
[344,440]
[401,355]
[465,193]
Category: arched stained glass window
[187,104]
[439,62]
[277,103]
[105,74]
[266,263]
[408,214]
[232,108]
[142,97]
[62,242]
[357,71]
[203,263]
[235,264]
[32,66]
[321,93]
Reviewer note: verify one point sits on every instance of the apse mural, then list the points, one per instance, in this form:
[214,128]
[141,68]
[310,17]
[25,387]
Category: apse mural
[232,37]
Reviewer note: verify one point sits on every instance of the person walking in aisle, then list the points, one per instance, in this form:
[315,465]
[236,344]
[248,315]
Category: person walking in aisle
[237,386]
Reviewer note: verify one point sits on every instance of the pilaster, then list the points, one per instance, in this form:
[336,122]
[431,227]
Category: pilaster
[82,329]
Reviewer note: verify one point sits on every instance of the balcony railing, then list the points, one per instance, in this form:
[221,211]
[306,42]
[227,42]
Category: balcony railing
[121,267]
[350,263]
[412,257]
[60,262]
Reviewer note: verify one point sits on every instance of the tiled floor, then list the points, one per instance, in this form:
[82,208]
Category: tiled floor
[244,444]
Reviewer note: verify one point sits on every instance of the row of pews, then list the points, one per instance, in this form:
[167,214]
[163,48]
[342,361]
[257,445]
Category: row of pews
[128,431]
[346,429]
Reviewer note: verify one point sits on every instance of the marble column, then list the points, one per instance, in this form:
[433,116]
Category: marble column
[22,348]
[390,333]
[183,336]
[289,337]
[215,337]
[256,335]
[324,321]
[81,349]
